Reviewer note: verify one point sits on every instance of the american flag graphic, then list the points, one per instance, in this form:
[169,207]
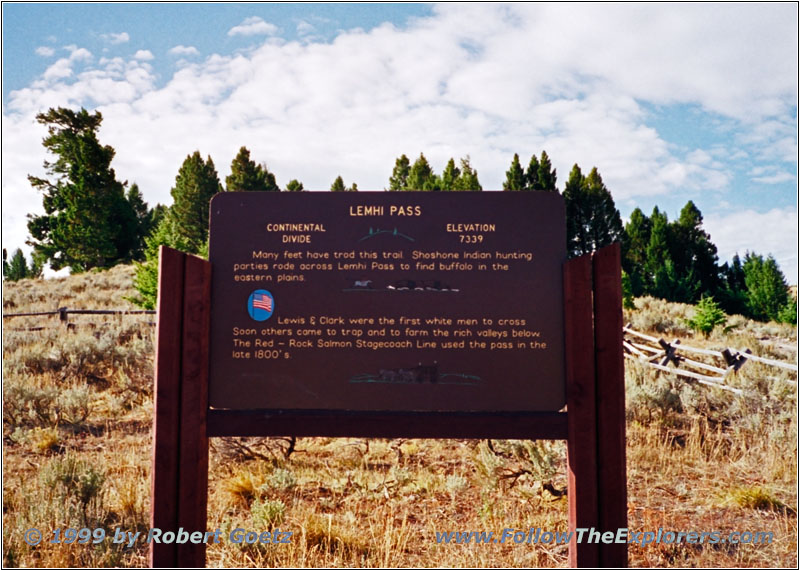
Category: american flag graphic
[261,301]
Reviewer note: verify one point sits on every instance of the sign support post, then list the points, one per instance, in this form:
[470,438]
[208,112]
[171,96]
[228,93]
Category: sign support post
[595,406]
[179,479]
[594,424]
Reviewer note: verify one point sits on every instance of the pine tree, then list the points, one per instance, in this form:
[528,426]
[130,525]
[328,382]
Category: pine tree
[420,175]
[146,278]
[637,232]
[294,185]
[707,315]
[468,179]
[767,293]
[399,179]
[247,175]
[657,255]
[546,179]
[788,314]
[515,176]
[88,222]
[338,185]
[662,276]
[18,267]
[733,290]
[450,176]
[144,221]
[694,253]
[532,174]
[605,222]
[577,212]
[593,220]
[196,183]
[183,226]
[36,268]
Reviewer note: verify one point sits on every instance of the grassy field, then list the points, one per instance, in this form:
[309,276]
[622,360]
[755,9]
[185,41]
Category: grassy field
[77,408]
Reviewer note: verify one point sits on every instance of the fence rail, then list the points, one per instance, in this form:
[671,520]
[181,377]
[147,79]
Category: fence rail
[658,354]
[64,313]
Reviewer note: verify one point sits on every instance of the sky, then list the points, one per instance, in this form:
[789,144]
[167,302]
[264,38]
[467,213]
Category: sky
[671,102]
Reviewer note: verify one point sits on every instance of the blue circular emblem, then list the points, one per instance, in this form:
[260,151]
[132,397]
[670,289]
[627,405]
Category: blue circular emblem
[260,305]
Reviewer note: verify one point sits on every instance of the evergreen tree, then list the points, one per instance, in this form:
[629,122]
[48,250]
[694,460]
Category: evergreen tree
[637,232]
[36,268]
[247,175]
[657,256]
[515,176]
[18,267]
[399,178]
[789,312]
[577,212]
[88,222]
[733,289]
[338,185]
[767,293]
[450,176]
[468,178]
[662,276]
[694,253]
[144,221]
[420,176]
[593,220]
[707,315]
[157,214]
[183,226]
[294,185]
[196,183]
[532,174]
[146,278]
[546,179]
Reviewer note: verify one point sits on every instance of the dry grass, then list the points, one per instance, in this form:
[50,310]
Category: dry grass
[76,447]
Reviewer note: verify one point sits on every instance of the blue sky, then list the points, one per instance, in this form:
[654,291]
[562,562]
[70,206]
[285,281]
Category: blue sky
[671,102]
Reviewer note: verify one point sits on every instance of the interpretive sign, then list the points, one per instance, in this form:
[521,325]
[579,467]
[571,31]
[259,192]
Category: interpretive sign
[375,301]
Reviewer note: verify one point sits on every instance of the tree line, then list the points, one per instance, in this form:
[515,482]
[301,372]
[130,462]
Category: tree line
[92,220]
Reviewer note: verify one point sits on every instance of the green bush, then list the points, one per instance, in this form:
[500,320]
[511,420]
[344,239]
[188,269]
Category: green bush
[789,312]
[707,316]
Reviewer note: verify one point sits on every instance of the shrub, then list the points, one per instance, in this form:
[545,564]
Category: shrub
[267,513]
[789,312]
[707,316]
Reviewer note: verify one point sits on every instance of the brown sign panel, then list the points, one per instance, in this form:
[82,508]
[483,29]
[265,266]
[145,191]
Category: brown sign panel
[377,301]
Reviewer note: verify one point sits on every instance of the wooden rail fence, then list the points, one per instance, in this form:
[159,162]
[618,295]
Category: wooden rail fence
[64,313]
[658,354]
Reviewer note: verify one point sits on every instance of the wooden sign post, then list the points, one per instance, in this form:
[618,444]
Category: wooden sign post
[591,368]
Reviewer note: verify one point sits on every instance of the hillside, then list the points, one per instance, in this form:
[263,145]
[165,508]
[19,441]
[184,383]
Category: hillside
[77,408]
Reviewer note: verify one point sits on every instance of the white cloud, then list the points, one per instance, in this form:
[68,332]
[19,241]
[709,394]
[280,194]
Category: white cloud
[144,55]
[45,51]
[480,80]
[773,232]
[305,28]
[59,70]
[253,26]
[116,38]
[78,54]
[771,175]
[181,50]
